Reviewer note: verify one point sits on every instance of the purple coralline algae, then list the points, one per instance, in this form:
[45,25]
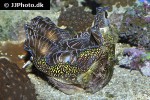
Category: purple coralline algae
[135,27]
[136,59]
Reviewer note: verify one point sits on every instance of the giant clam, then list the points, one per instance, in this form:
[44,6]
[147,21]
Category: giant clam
[71,62]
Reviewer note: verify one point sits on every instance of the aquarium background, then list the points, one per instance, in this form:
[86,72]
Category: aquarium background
[130,21]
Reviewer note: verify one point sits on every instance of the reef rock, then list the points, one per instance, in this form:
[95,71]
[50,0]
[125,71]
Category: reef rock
[135,28]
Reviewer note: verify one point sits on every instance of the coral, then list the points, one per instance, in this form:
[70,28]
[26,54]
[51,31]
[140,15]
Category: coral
[14,82]
[118,3]
[76,18]
[13,50]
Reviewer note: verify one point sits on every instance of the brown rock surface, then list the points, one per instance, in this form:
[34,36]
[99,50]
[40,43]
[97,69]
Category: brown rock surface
[14,82]
[12,50]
